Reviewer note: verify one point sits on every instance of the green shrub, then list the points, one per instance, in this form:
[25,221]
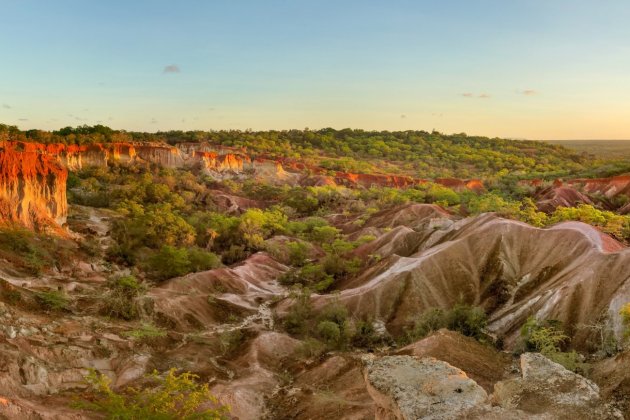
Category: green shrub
[120,301]
[427,322]
[201,260]
[169,262]
[545,337]
[170,397]
[311,348]
[296,320]
[298,253]
[625,318]
[330,332]
[465,319]
[52,300]
[468,320]
[147,333]
[365,335]
[231,340]
[548,338]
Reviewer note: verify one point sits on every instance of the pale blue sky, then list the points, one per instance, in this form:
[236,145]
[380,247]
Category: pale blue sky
[539,69]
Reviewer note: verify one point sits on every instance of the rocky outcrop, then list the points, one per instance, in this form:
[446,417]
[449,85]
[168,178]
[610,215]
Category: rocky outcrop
[409,388]
[481,362]
[406,388]
[32,188]
[609,187]
[551,198]
[570,272]
[207,298]
[547,388]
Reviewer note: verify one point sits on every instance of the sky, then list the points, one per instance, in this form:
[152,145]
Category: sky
[536,69]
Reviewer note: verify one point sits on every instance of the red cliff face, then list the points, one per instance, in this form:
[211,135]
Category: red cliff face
[34,175]
[32,188]
[610,187]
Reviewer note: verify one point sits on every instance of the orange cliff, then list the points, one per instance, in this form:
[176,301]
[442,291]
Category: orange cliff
[32,188]
[34,174]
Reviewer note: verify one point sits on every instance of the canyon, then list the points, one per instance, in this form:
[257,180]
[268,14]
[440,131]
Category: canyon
[33,176]
[226,324]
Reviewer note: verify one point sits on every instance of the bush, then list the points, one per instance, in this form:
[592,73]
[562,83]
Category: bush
[231,340]
[468,320]
[426,323]
[169,262]
[365,335]
[330,332]
[296,320]
[298,252]
[201,260]
[625,318]
[465,319]
[146,333]
[548,338]
[31,251]
[52,300]
[171,397]
[120,299]
[545,337]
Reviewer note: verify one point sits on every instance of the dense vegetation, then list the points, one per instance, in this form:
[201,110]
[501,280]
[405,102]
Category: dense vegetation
[417,153]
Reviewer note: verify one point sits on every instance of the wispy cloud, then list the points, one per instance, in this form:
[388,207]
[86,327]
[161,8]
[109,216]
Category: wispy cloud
[23,119]
[153,121]
[474,95]
[6,106]
[528,92]
[403,116]
[172,68]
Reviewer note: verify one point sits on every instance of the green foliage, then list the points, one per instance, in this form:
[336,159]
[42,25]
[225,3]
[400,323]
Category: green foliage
[52,300]
[548,338]
[120,299]
[465,319]
[296,320]
[428,154]
[171,262]
[201,260]
[32,252]
[146,332]
[298,253]
[544,337]
[324,234]
[231,340]
[171,396]
[427,322]
[608,221]
[468,320]
[365,335]
[329,332]
[625,317]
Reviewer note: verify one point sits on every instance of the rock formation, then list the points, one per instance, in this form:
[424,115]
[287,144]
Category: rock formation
[32,188]
[405,387]
[410,388]
[511,269]
[546,388]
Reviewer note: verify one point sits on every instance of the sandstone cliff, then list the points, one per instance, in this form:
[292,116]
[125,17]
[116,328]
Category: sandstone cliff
[32,188]
[34,174]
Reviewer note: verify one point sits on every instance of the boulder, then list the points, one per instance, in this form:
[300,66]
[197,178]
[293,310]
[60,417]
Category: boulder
[546,387]
[406,387]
